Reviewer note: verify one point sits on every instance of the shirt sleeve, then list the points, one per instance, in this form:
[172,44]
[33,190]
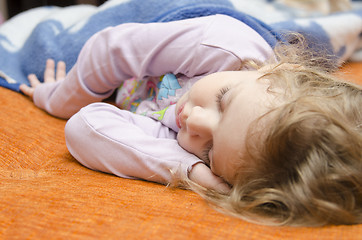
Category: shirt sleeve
[105,138]
[141,50]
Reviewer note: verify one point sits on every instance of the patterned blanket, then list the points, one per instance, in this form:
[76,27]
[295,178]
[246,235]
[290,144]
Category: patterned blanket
[28,39]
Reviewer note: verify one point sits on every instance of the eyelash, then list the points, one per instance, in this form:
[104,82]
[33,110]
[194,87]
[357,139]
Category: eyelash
[220,95]
[205,154]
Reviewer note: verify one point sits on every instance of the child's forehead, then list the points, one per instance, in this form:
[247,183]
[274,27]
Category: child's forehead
[255,98]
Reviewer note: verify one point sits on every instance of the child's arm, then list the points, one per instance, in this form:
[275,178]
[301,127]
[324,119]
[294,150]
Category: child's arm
[133,50]
[105,138]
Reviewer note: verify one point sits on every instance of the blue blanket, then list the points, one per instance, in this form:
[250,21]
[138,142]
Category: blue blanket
[30,38]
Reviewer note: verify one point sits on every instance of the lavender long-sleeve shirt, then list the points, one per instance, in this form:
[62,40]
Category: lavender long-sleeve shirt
[105,138]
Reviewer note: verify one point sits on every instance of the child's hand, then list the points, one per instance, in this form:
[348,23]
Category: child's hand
[202,175]
[49,77]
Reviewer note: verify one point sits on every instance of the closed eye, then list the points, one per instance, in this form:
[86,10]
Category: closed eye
[220,96]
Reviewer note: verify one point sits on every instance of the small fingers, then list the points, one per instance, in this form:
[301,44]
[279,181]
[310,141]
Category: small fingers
[49,73]
[28,91]
[34,81]
[203,176]
[60,70]
[223,187]
[49,76]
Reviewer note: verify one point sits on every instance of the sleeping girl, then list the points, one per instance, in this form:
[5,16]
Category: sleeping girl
[267,134]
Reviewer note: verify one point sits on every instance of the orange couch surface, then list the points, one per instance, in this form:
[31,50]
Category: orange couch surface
[46,194]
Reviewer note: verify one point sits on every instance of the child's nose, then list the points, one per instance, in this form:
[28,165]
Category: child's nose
[200,122]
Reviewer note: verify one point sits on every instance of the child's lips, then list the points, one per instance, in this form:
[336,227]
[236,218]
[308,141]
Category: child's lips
[178,115]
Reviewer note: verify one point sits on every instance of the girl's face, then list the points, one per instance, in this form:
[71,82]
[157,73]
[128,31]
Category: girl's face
[214,117]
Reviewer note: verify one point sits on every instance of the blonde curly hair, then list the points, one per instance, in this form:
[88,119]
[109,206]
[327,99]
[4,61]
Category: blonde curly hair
[304,166]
